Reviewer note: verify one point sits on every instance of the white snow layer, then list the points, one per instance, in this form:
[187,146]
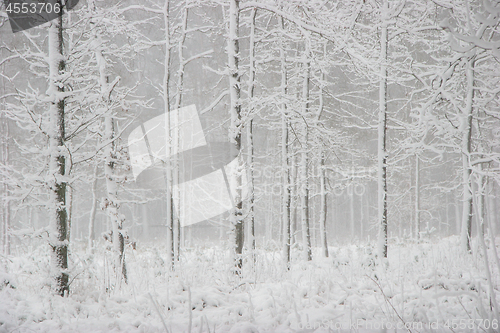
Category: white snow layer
[422,285]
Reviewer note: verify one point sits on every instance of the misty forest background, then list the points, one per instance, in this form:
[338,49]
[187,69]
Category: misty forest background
[371,123]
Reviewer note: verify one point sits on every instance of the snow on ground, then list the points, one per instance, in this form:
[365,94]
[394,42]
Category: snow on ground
[421,286]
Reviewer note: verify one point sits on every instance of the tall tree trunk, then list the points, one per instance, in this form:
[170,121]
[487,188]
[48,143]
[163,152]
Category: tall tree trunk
[58,216]
[112,204]
[250,145]
[251,188]
[304,191]
[4,152]
[382,137]
[322,169]
[323,206]
[285,164]
[235,127]
[168,174]
[293,198]
[466,231]
[478,194]
[178,103]
[4,201]
[93,211]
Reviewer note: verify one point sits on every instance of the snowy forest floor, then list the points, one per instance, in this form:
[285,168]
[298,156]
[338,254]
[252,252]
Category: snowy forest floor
[427,286]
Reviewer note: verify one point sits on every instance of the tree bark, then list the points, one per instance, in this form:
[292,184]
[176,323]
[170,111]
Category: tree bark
[250,144]
[304,190]
[178,103]
[112,203]
[382,137]
[58,215]
[293,199]
[4,141]
[478,194]
[285,164]
[69,208]
[467,198]
[323,206]
[235,127]
[4,201]
[168,139]
[93,211]
[322,169]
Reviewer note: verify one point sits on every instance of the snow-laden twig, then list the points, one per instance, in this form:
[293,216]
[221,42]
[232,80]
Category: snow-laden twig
[389,302]
[159,313]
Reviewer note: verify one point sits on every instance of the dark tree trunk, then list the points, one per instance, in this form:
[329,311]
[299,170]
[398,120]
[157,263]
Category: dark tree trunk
[58,213]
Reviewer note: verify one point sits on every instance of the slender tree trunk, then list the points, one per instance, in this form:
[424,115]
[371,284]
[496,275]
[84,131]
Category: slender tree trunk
[251,189]
[4,141]
[112,204]
[293,199]
[269,205]
[382,137]
[58,216]
[175,193]
[480,211]
[466,231]
[69,208]
[93,211]
[178,103]
[323,206]
[250,144]
[304,191]
[4,201]
[322,169]
[285,165]
[168,174]
[235,127]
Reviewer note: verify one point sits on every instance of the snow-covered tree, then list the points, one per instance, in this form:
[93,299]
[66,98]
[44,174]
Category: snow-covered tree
[57,172]
[235,129]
